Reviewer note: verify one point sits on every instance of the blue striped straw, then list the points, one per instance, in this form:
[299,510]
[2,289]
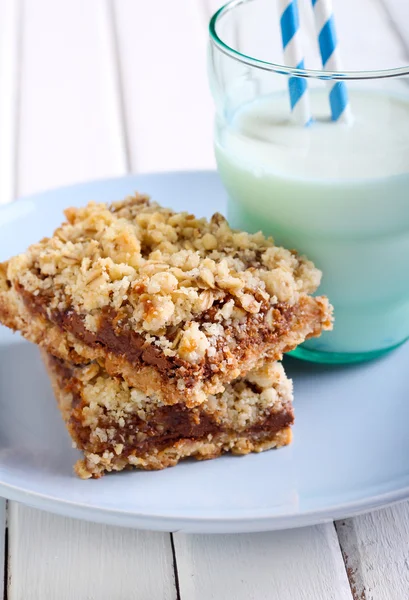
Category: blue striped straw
[329,49]
[293,57]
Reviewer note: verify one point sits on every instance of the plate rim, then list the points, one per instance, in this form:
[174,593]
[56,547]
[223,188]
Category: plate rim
[200,525]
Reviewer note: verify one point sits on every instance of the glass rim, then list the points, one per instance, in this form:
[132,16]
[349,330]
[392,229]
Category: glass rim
[291,71]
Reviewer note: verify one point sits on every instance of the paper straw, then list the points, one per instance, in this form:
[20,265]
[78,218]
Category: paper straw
[329,50]
[293,57]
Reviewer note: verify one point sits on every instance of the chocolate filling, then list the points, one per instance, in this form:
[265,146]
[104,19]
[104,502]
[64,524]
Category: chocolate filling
[166,425]
[114,336]
[123,342]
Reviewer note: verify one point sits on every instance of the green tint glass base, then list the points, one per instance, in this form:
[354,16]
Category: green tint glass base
[339,358]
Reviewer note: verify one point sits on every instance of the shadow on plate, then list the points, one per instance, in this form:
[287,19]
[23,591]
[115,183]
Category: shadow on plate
[31,425]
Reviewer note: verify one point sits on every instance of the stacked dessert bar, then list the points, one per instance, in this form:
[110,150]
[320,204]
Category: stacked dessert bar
[161,332]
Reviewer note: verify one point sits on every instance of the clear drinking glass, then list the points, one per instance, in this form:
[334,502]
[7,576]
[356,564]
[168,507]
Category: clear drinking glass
[337,192]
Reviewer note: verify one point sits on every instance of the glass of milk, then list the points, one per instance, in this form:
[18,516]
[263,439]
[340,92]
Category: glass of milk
[337,192]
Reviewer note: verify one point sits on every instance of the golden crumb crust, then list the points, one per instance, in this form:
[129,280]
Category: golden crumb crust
[93,466]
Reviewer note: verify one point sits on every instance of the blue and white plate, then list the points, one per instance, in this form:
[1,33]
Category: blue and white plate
[350,452]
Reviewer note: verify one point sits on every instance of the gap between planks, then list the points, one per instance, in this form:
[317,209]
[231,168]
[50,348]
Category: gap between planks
[167,102]
[70,126]
[4,548]
[117,78]
[376,553]
[175,567]
[54,557]
[397,12]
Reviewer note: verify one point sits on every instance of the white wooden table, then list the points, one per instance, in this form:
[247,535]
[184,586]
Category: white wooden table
[98,88]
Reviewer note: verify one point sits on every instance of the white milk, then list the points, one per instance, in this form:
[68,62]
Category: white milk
[339,194]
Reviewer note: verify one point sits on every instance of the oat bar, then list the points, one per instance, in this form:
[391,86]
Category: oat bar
[175,305]
[117,427]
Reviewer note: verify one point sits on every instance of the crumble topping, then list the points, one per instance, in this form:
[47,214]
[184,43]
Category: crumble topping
[163,273]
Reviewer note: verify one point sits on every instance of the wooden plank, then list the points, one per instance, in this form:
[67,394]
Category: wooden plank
[304,564]
[71,129]
[376,552]
[10,11]
[3,557]
[169,111]
[70,125]
[54,557]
